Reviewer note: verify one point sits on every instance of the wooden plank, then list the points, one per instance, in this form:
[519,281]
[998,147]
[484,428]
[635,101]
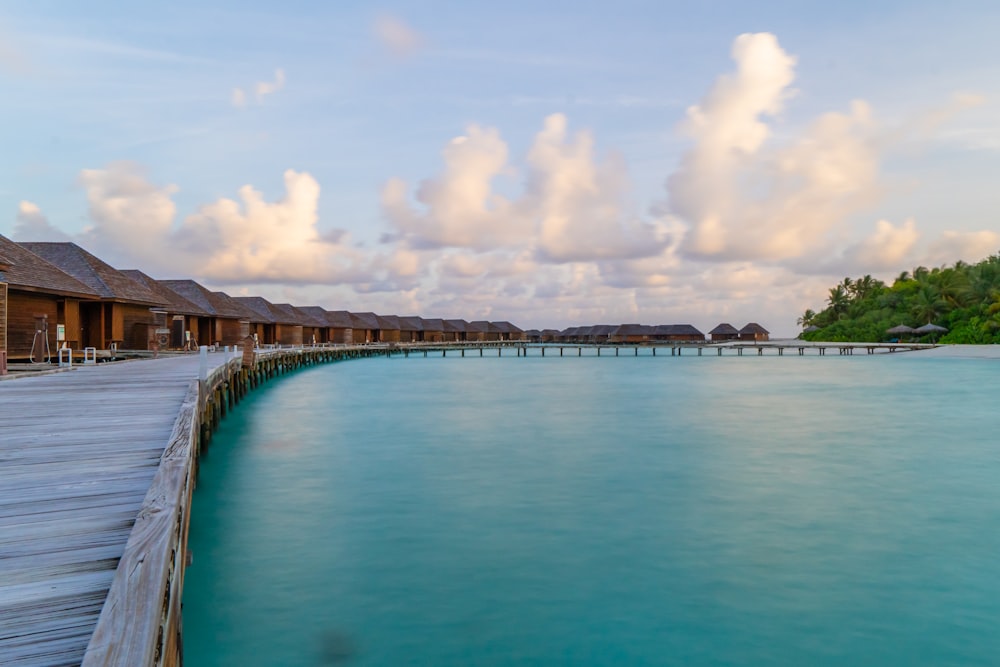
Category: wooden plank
[141,580]
[78,452]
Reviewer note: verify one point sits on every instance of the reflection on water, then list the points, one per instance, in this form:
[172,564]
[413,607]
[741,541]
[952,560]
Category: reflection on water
[668,511]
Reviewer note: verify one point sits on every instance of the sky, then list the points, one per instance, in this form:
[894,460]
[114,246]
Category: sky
[552,164]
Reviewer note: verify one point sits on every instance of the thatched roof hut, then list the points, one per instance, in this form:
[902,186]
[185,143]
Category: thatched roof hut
[677,333]
[754,332]
[724,331]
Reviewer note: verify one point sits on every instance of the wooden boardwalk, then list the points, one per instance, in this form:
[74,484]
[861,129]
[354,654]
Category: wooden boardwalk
[77,453]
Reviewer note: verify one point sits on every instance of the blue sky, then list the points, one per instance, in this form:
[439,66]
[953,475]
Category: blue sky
[280,149]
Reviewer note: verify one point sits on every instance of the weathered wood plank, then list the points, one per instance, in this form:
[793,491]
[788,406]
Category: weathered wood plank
[78,451]
[141,579]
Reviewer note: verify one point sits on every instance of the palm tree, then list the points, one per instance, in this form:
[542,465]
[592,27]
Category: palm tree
[927,304]
[807,318]
[838,300]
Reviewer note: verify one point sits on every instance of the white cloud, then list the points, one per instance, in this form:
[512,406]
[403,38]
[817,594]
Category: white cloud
[952,246]
[239,98]
[460,208]
[131,216]
[396,37]
[32,225]
[746,200]
[572,208]
[887,249]
[264,88]
[12,59]
[227,241]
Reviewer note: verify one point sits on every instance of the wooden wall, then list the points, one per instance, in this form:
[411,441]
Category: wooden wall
[137,324]
[339,335]
[21,310]
[3,316]
[229,332]
[289,334]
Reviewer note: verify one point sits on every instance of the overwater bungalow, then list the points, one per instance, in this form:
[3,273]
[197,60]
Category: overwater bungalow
[549,335]
[568,335]
[724,332]
[291,325]
[508,331]
[631,333]
[34,293]
[533,335]
[680,333]
[320,323]
[123,315]
[285,320]
[477,331]
[264,322]
[366,328]
[754,332]
[433,329]
[228,323]
[341,327]
[411,329]
[174,318]
[456,331]
[388,328]
[601,333]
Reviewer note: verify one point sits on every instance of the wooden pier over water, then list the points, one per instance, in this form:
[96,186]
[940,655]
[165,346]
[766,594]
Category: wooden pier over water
[97,468]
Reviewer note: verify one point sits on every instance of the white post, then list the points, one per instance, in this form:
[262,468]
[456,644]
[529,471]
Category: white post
[203,362]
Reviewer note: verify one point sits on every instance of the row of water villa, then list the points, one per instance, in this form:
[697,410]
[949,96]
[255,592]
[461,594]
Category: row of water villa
[645,333]
[56,295]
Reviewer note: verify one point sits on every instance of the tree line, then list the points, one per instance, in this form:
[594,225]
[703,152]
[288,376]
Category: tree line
[964,298]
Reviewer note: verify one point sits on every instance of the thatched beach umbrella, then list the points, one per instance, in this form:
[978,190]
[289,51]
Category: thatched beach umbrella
[929,328]
[900,331]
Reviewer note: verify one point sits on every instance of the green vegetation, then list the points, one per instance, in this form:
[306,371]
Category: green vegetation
[964,298]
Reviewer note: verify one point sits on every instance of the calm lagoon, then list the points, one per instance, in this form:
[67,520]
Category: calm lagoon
[604,511]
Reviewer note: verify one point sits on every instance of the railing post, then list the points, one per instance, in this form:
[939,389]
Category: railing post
[203,363]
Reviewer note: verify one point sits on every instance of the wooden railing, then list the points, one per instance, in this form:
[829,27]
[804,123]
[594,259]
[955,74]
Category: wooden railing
[140,623]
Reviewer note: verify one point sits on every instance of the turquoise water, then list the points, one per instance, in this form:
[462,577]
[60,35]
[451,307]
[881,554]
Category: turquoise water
[611,511]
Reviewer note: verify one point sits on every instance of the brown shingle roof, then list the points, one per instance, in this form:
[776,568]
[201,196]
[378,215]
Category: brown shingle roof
[433,324]
[28,271]
[411,323]
[339,319]
[317,315]
[209,301]
[388,322]
[97,274]
[365,321]
[175,303]
[267,311]
[753,328]
[724,328]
